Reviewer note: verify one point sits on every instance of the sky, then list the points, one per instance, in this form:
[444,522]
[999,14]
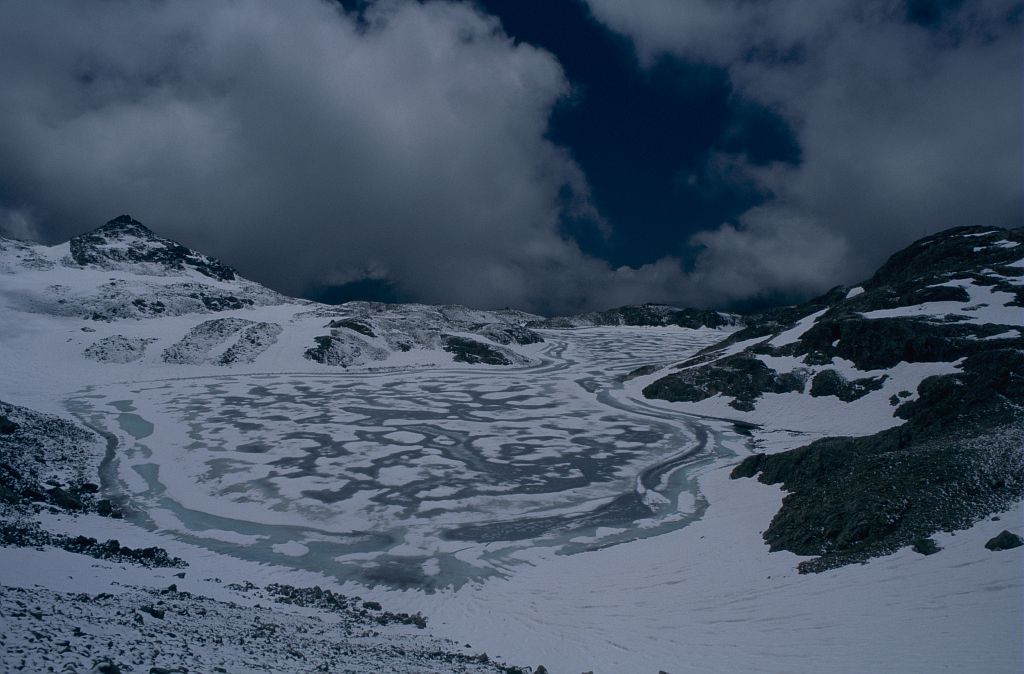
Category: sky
[549,155]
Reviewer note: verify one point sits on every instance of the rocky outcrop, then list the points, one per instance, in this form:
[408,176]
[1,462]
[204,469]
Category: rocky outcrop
[741,377]
[953,298]
[32,535]
[47,460]
[251,342]
[370,332]
[117,349]
[1005,540]
[932,302]
[959,458]
[126,241]
[198,346]
[343,351]
[642,315]
[465,350]
[831,383]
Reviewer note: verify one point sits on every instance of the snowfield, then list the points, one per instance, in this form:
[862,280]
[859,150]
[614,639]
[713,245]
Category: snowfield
[517,489]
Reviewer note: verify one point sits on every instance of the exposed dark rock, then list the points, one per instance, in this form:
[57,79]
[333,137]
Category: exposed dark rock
[251,342]
[1006,540]
[33,494]
[341,351]
[19,534]
[879,343]
[642,315]
[352,324]
[46,460]
[944,253]
[956,460]
[855,498]
[925,546]
[749,467]
[104,247]
[742,377]
[225,302]
[465,350]
[158,613]
[113,550]
[62,499]
[509,333]
[7,427]
[319,352]
[989,387]
[105,508]
[831,383]
[775,320]
[369,611]
[642,371]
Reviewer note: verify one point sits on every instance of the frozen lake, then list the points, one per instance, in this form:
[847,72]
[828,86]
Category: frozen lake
[415,478]
[543,515]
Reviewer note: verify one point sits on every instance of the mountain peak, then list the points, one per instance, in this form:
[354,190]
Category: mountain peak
[124,221]
[124,226]
[124,241]
[960,250]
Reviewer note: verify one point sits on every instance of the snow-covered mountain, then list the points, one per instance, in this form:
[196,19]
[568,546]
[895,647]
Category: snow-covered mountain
[123,295]
[920,368]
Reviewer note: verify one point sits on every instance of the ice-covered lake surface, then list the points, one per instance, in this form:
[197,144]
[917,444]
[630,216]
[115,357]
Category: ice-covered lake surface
[414,479]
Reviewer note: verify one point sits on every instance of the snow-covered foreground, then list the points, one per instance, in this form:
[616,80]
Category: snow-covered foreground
[544,515]
[709,598]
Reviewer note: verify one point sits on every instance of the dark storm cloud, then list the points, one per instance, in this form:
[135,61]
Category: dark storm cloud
[908,117]
[409,147]
[306,146]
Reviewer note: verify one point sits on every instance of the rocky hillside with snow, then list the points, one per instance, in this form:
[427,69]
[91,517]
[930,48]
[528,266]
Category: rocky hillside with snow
[919,371]
[122,295]
[642,315]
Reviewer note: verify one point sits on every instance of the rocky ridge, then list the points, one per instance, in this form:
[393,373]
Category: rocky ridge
[372,332]
[125,243]
[642,315]
[952,451]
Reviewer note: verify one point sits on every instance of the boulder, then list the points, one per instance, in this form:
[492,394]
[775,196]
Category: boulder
[925,546]
[1004,541]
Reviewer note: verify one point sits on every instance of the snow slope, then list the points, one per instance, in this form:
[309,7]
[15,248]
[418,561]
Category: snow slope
[121,301]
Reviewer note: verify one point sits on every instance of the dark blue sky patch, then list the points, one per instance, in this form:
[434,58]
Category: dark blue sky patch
[643,134]
[365,290]
[930,13]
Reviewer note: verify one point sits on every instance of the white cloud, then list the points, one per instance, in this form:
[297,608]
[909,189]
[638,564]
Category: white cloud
[17,224]
[302,146]
[904,129]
